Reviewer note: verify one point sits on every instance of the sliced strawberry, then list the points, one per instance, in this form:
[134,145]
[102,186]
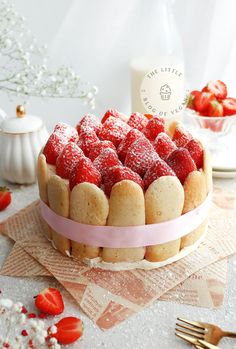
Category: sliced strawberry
[108,158]
[195,149]
[84,171]
[98,148]
[138,121]
[191,99]
[67,131]
[154,127]
[158,169]
[118,173]
[202,102]
[140,156]
[114,130]
[87,138]
[229,106]
[50,301]
[5,198]
[181,136]
[70,154]
[217,88]
[110,112]
[181,163]
[164,145]
[56,142]
[215,109]
[125,144]
[69,330]
[89,121]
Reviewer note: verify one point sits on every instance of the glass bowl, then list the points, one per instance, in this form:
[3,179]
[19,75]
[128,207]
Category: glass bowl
[216,133]
[214,126]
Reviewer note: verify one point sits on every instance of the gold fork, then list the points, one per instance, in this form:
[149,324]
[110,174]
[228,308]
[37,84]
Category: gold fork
[200,330]
[204,345]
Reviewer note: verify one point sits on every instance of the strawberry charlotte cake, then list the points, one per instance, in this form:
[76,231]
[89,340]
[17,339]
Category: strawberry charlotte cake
[124,191]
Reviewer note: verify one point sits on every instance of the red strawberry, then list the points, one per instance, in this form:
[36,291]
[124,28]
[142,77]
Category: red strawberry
[108,158]
[87,138]
[5,198]
[98,148]
[154,127]
[70,154]
[67,131]
[191,99]
[181,136]
[114,130]
[202,102]
[158,169]
[50,301]
[89,121]
[195,149]
[118,173]
[110,112]
[217,88]
[229,106]
[181,163]
[53,147]
[138,121]
[164,145]
[140,156]
[84,171]
[69,330]
[125,144]
[215,109]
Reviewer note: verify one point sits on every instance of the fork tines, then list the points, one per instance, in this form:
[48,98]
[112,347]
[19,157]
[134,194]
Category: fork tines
[190,333]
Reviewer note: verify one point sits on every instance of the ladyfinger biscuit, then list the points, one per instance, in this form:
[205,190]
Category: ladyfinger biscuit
[88,205]
[58,198]
[195,192]
[164,200]
[126,209]
[207,168]
[195,235]
[43,174]
[43,177]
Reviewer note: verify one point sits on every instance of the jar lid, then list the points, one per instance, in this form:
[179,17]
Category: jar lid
[21,123]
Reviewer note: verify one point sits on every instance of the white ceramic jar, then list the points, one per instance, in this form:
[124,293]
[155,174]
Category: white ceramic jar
[21,139]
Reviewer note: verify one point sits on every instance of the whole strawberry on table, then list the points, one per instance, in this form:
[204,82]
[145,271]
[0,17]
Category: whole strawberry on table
[5,198]
[212,101]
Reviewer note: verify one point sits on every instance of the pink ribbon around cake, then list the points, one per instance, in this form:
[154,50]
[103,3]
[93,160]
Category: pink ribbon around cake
[124,237]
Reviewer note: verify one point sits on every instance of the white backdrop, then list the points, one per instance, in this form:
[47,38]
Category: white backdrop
[96,38]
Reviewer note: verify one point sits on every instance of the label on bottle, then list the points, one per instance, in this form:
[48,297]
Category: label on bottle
[162,91]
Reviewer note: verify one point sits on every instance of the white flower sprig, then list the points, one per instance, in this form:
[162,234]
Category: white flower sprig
[20,332]
[23,64]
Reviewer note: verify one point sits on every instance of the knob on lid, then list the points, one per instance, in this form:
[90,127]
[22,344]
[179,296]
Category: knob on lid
[21,123]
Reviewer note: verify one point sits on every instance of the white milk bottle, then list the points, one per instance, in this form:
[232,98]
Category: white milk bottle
[157,63]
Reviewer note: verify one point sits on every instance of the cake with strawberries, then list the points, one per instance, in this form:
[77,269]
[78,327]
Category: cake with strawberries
[123,174]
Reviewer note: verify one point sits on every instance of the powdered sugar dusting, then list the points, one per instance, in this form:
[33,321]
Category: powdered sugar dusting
[114,130]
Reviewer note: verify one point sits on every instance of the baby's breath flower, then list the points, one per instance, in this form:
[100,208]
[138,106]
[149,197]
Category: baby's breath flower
[23,68]
[17,330]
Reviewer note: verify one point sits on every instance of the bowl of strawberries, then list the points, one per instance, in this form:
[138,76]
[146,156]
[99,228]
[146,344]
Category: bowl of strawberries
[211,109]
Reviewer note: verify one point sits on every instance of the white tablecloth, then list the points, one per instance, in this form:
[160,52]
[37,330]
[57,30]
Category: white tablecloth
[152,328]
